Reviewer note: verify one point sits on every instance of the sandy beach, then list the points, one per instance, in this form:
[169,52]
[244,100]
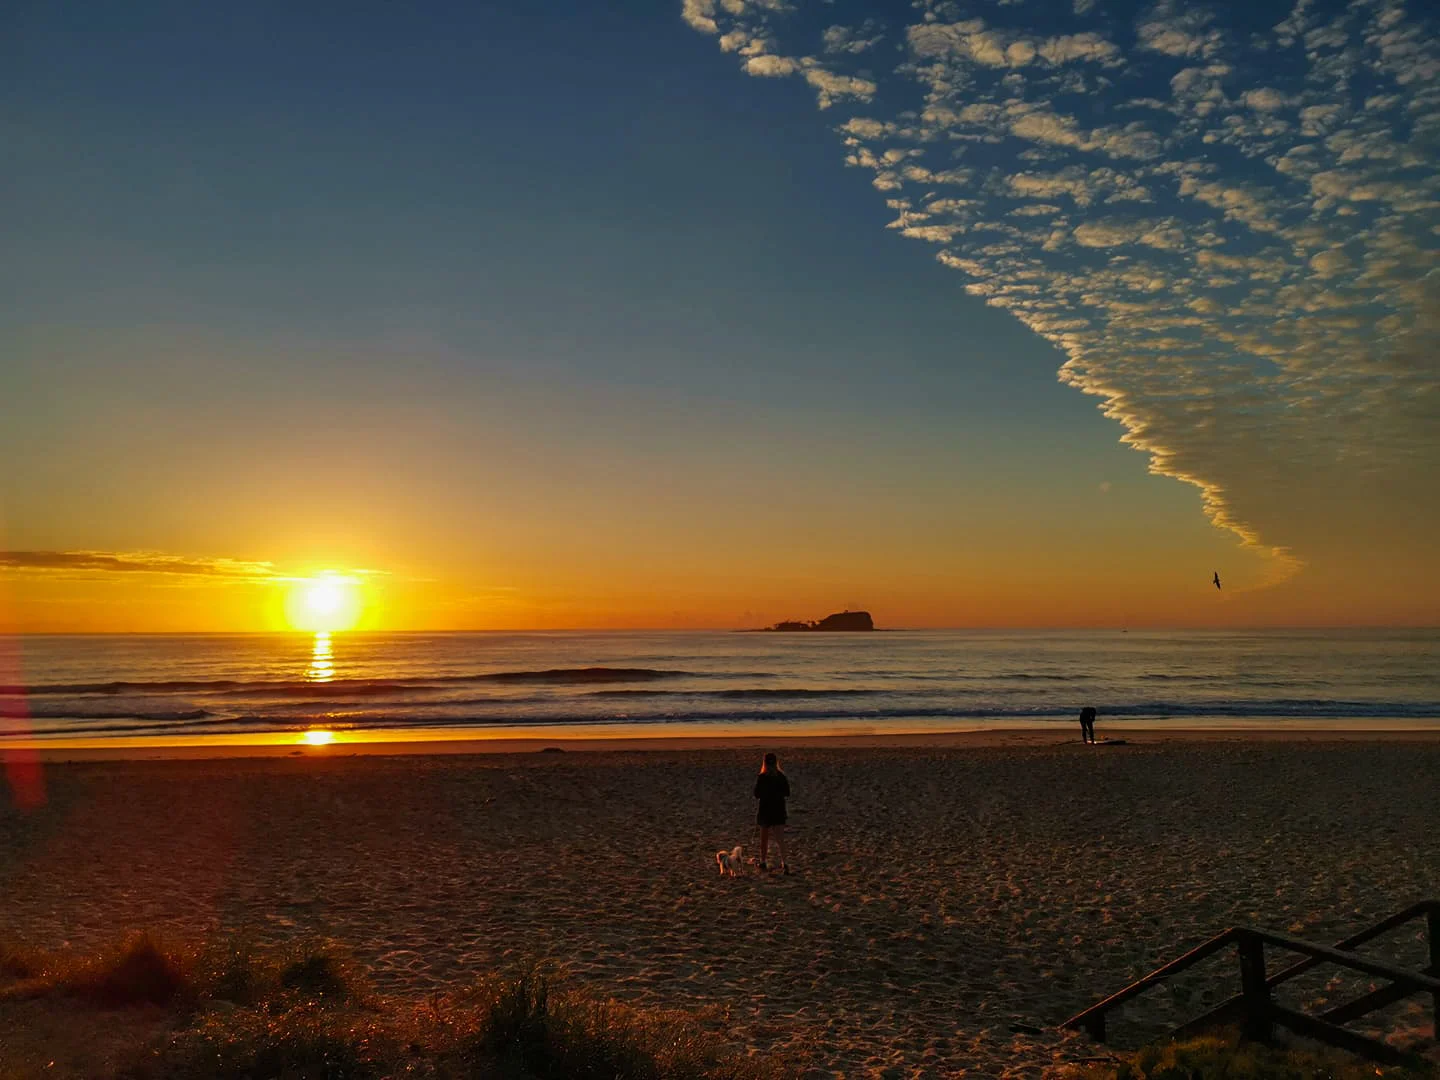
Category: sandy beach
[953,899]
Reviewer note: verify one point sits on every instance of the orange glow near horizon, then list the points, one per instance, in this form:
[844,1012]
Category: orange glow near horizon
[1113,575]
[525,738]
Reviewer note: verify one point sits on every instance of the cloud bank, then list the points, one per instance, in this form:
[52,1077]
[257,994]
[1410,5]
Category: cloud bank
[89,564]
[1230,231]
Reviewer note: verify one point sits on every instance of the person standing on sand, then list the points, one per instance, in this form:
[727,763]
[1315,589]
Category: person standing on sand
[772,789]
[1087,724]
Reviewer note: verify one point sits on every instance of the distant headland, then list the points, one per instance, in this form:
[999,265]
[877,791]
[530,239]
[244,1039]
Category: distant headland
[841,620]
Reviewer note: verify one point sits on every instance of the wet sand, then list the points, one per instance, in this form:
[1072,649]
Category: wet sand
[946,893]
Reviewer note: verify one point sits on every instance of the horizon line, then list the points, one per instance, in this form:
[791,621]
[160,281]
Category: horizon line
[1146,628]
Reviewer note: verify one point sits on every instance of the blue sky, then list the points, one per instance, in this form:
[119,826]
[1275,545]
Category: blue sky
[499,266]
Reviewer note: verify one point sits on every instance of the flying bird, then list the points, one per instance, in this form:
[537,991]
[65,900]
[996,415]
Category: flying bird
[1217,579]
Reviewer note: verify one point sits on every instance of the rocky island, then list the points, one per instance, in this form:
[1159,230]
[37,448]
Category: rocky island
[842,620]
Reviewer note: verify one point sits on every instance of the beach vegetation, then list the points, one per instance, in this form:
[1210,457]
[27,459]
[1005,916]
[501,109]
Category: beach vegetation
[315,971]
[529,1026]
[1226,1057]
[236,973]
[18,963]
[140,971]
[145,970]
[323,974]
[308,1013]
[305,1042]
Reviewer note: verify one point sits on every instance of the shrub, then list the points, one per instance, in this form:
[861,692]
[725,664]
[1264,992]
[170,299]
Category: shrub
[235,973]
[1226,1058]
[301,1044]
[19,963]
[518,1023]
[526,1023]
[237,1014]
[142,972]
[319,974]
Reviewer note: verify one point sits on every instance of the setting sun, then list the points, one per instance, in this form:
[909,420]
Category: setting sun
[323,603]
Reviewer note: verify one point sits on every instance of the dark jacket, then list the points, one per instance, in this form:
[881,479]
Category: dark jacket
[772,789]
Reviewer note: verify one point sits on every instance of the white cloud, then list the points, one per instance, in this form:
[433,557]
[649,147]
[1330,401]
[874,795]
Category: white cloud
[1319,119]
[1172,42]
[1241,274]
[1041,125]
[119,565]
[833,87]
[1329,263]
[1036,210]
[1104,234]
[701,15]
[1116,232]
[1266,99]
[844,39]
[735,41]
[864,127]
[1087,47]
[771,67]
[973,40]
[940,234]
[1178,32]
[1074,183]
[1038,123]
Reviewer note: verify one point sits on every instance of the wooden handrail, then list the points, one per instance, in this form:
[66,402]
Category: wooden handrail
[1194,956]
[1384,926]
[1368,1003]
[1255,1006]
[1226,1009]
[1335,1035]
[1418,982]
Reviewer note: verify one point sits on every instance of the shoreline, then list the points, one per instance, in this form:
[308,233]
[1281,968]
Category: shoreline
[384,744]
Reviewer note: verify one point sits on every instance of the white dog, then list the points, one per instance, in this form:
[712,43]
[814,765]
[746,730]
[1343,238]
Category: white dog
[728,861]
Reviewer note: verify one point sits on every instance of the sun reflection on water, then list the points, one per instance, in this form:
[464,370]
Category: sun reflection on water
[322,659]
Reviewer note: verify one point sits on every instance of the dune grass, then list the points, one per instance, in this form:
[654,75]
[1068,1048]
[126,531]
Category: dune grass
[141,971]
[1225,1057]
[528,1026]
[145,970]
[18,963]
[307,1014]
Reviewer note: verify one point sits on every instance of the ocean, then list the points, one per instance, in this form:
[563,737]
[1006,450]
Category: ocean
[194,689]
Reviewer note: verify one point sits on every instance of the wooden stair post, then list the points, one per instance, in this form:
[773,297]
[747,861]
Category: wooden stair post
[1254,989]
[1432,932]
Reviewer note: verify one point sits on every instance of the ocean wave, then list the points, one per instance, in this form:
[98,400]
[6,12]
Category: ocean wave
[55,727]
[1162,677]
[1271,709]
[585,675]
[1026,676]
[993,677]
[749,694]
[11,712]
[566,676]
